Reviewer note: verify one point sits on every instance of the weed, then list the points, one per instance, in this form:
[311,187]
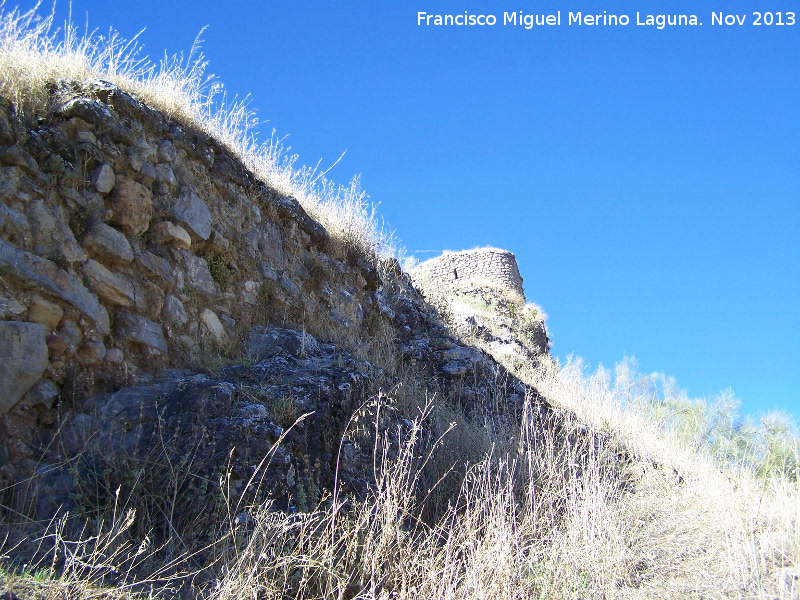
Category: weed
[372,323]
[84,218]
[410,263]
[219,270]
[284,410]
[317,271]
[146,238]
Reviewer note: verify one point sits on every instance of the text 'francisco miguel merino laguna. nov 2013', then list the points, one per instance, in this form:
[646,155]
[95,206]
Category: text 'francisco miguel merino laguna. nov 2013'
[529,21]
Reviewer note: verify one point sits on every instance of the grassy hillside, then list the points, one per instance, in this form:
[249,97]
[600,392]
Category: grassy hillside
[625,488]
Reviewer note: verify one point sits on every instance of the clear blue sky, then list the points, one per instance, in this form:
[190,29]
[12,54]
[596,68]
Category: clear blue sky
[647,180]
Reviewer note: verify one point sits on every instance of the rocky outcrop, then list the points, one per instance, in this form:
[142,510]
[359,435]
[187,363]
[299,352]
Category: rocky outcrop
[224,425]
[480,292]
[224,428]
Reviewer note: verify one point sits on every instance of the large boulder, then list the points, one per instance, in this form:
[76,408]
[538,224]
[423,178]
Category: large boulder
[227,424]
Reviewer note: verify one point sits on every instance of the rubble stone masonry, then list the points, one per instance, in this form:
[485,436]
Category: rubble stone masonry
[453,271]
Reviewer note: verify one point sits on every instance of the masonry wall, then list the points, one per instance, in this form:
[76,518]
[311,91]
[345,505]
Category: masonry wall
[129,245]
[459,270]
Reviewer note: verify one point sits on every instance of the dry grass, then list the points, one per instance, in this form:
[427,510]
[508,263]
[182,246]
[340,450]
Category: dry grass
[697,524]
[602,505]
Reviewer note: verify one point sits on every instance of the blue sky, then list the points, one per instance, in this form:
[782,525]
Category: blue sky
[647,179]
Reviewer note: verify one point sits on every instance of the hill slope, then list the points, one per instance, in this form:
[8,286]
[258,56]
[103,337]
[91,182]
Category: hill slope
[217,384]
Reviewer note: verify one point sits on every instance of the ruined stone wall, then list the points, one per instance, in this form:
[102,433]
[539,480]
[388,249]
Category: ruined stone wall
[457,271]
[130,244]
[135,252]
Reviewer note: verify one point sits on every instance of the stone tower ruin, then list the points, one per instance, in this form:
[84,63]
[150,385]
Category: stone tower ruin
[461,271]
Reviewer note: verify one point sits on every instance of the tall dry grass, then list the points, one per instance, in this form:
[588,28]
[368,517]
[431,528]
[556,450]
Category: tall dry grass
[705,523]
[602,505]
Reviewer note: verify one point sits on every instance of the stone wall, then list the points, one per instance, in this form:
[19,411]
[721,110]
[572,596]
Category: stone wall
[456,271]
[130,244]
[137,257]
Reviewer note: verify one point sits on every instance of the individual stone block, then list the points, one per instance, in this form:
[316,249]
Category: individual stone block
[132,205]
[43,227]
[10,307]
[289,285]
[71,332]
[68,247]
[14,226]
[51,234]
[149,298]
[122,134]
[169,233]
[212,327]
[174,312]
[166,152]
[197,274]
[103,179]
[148,173]
[115,356]
[156,265]
[45,313]
[44,392]
[194,213]
[23,360]
[140,330]
[58,345]
[92,352]
[219,241]
[111,287]
[16,156]
[164,174]
[85,137]
[251,292]
[135,160]
[91,111]
[105,242]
